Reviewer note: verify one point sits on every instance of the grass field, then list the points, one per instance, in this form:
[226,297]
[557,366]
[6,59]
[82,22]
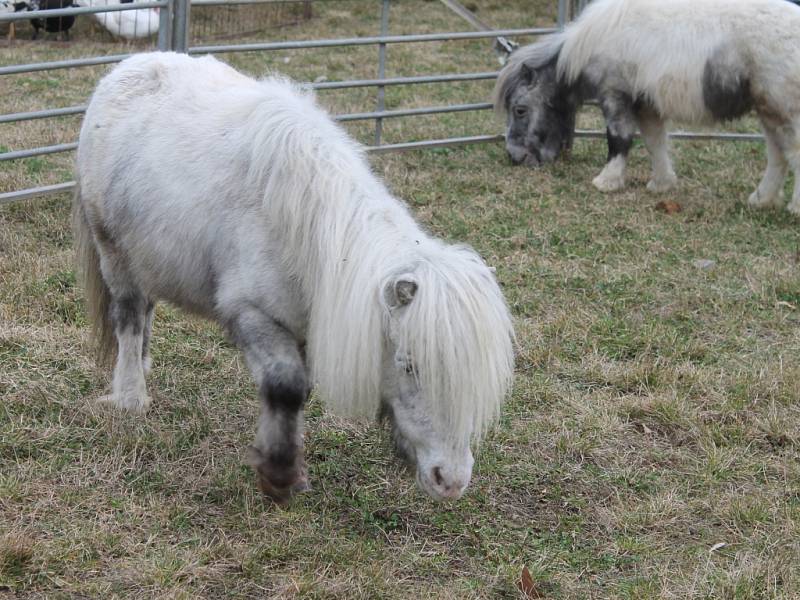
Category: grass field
[651,448]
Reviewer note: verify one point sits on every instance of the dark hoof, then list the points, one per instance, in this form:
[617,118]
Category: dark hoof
[278,482]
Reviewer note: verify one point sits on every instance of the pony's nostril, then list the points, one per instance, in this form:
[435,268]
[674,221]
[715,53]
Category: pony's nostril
[437,475]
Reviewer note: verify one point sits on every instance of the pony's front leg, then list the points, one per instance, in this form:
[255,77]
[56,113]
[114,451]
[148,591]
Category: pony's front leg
[277,365]
[769,190]
[654,134]
[620,127]
[128,388]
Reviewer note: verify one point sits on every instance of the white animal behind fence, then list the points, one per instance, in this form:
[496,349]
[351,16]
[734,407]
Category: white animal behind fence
[127,24]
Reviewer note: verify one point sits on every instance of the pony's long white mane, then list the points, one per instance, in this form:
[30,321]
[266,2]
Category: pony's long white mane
[345,238]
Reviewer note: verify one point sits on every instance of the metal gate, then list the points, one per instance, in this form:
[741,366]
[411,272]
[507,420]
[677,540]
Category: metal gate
[173,34]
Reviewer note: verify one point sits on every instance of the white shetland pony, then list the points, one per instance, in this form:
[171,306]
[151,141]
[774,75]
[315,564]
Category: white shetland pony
[243,201]
[646,61]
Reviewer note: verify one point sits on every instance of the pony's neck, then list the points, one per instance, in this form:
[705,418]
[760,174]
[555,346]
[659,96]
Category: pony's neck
[364,224]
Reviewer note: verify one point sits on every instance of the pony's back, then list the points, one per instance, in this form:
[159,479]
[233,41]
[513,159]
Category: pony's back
[663,46]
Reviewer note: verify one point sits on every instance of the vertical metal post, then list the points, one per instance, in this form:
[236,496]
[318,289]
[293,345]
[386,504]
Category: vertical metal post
[180,28]
[165,18]
[382,70]
[562,13]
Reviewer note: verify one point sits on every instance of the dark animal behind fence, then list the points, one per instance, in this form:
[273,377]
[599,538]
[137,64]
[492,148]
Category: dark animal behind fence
[49,24]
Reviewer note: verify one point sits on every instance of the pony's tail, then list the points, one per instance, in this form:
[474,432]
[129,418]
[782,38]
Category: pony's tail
[96,292]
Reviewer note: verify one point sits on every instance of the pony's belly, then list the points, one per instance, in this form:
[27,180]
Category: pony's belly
[681,101]
[189,283]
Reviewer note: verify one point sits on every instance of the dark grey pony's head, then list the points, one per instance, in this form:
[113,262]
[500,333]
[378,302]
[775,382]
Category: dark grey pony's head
[539,105]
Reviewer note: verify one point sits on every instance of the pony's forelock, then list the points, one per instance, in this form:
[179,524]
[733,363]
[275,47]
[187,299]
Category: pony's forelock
[534,56]
[459,334]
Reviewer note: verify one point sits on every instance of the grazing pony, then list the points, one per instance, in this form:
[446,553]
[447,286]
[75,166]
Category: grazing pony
[243,201]
[645,61]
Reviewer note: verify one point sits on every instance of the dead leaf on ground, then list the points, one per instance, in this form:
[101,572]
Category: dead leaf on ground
[669,207]
[527,585]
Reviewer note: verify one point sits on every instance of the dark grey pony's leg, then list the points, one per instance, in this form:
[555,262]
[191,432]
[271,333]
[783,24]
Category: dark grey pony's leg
[275,360]
[654,134]
[128,315]
[769,190]
[620,127]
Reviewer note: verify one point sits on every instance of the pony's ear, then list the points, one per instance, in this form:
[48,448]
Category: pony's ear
[526,74]
[401,291]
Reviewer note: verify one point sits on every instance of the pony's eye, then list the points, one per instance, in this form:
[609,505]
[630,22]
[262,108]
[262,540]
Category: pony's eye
[409,367]
[520,111]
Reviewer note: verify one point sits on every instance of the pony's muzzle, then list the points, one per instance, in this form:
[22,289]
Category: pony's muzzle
[443,485]
[524,157]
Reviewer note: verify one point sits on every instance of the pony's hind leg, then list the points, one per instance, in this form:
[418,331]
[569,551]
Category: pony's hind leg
[129,317]
[277,365]
[770,190]
[654,134]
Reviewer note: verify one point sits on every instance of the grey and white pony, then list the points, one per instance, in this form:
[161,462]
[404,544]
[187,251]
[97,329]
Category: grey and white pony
[646,61]
[243,201]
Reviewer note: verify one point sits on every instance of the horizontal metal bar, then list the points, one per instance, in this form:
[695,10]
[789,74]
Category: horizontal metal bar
[733,137]
[583,133]
[433,110]
[42,114]
[37,191]
[387,114]
[339,85]
[459,141]
[102,60]
[63,64]
[686,135]
[17,154]
[366,41]
[75,110]
[79,10]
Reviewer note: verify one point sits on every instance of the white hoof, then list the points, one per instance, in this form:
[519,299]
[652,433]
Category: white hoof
[129,402]
[759,200]
[662,184]
[608,184]
[794,207]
